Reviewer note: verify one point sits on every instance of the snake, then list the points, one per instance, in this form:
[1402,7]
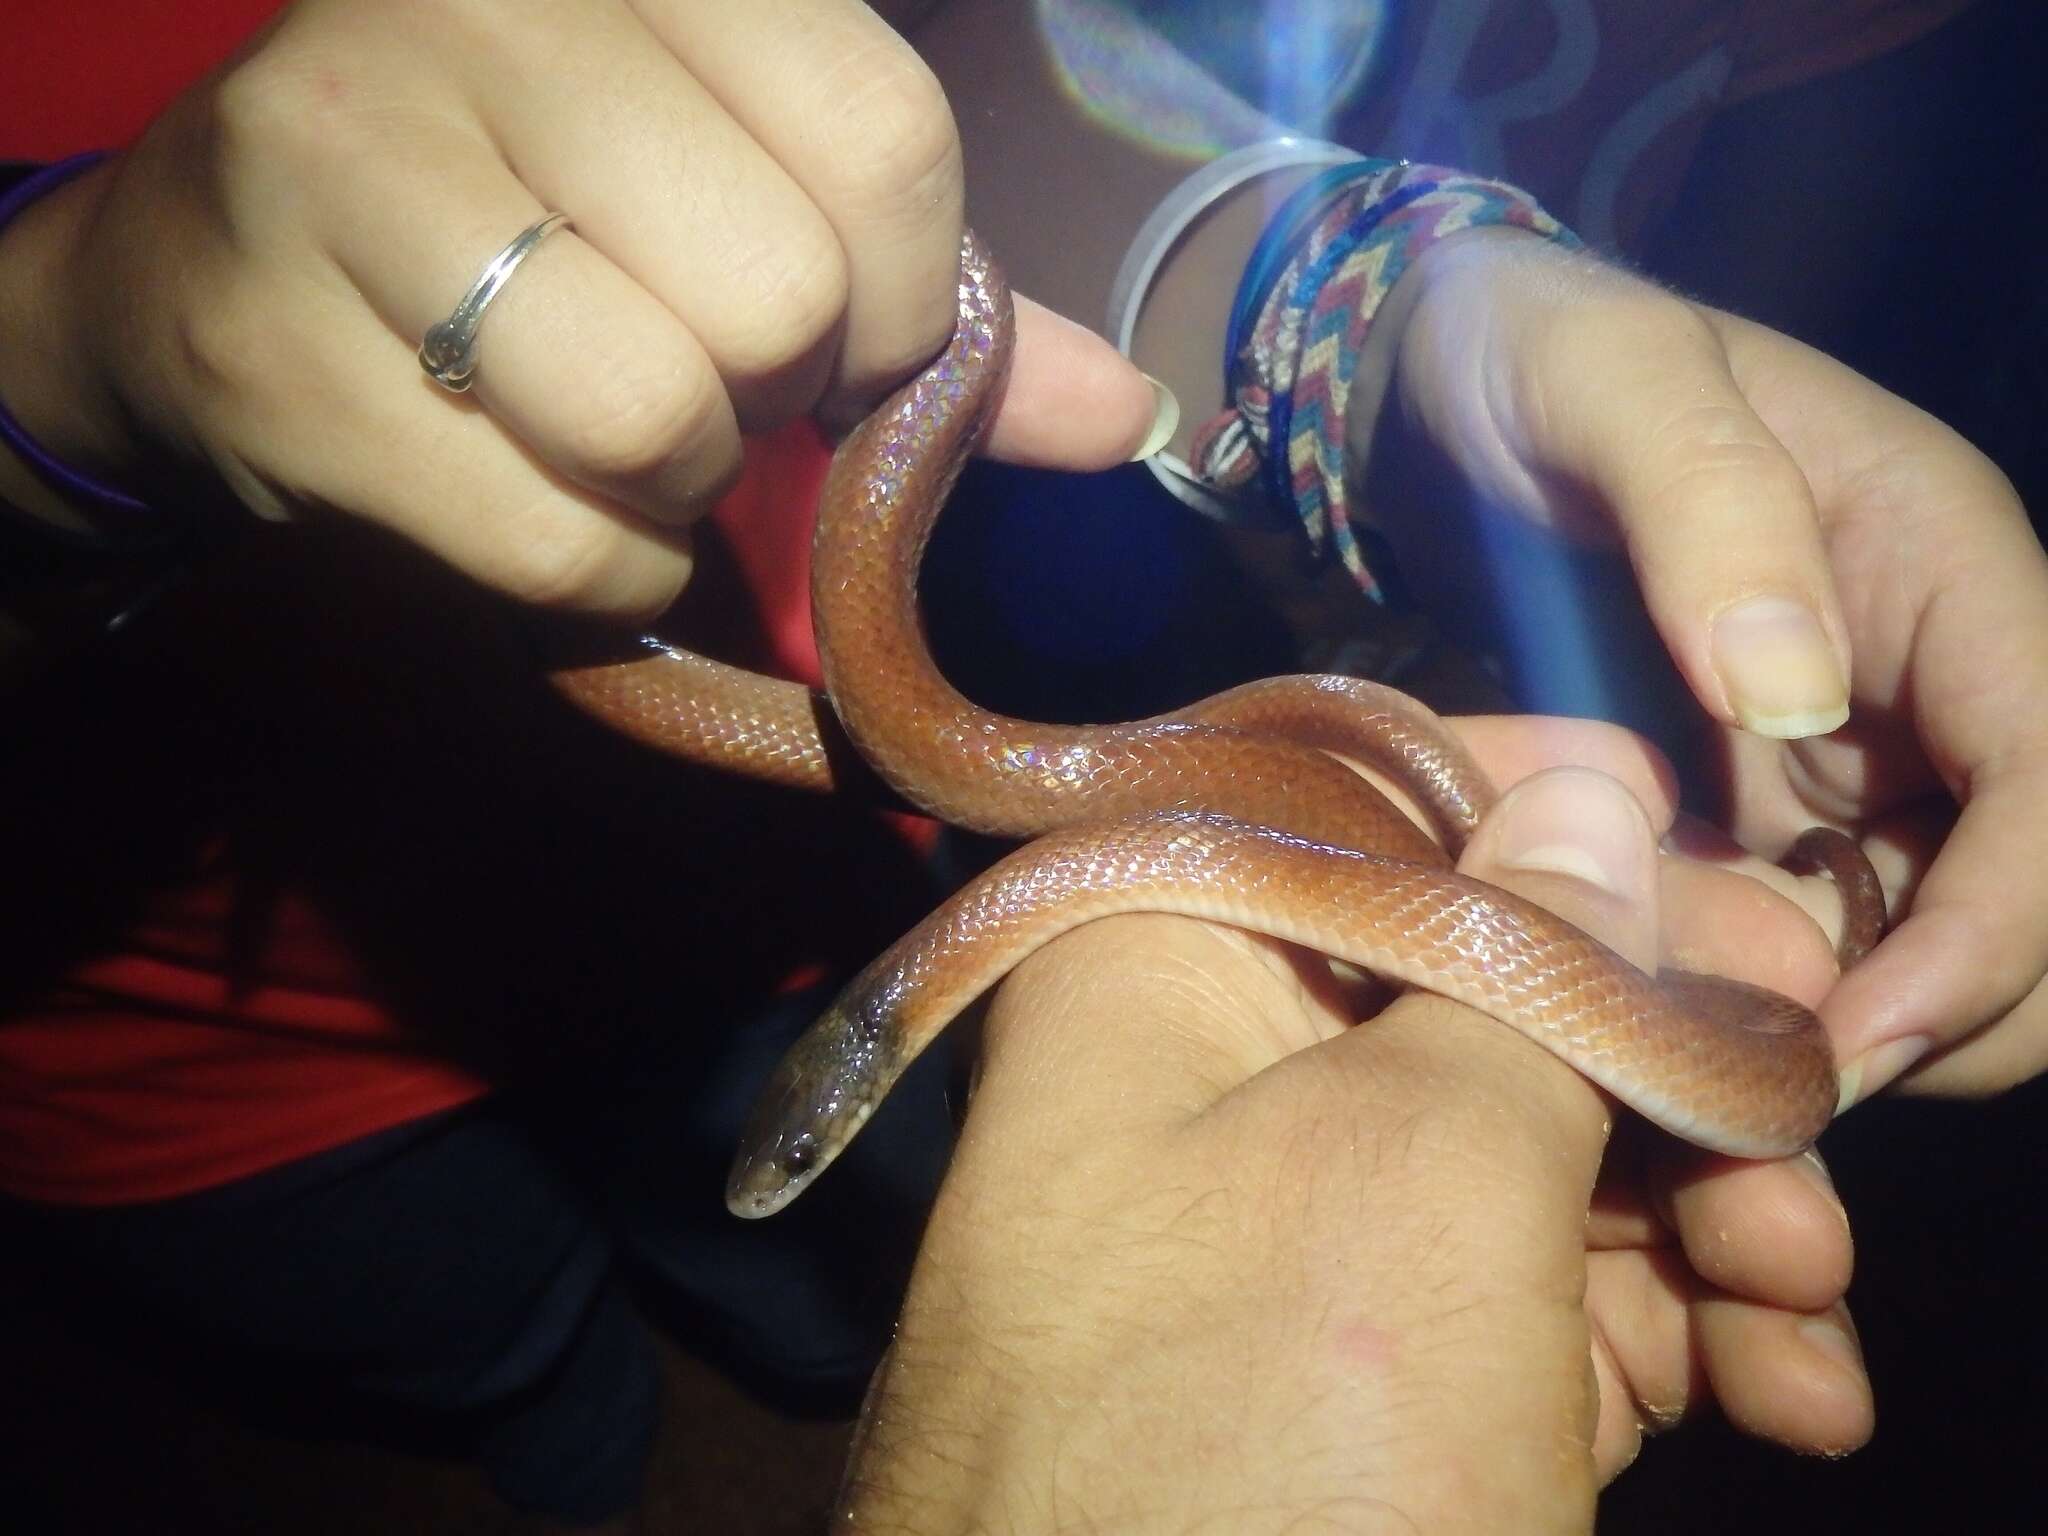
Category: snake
[1242,808]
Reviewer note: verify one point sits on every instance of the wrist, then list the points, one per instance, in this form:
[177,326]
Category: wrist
[1462,335]
[48,384]
[1449,279]
[1184,312]
[1306,311]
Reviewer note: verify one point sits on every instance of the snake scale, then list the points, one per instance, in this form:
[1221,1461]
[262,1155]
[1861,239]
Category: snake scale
[1232,809]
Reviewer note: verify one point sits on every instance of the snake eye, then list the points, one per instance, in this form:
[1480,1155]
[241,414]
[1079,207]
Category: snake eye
[801,1156]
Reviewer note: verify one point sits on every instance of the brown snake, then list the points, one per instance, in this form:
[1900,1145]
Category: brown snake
[1175,814]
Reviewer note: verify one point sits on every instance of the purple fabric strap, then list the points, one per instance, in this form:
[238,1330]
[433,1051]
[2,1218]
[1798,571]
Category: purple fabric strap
[52,471]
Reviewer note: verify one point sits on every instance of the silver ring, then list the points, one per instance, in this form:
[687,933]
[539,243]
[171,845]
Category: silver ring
[448,350]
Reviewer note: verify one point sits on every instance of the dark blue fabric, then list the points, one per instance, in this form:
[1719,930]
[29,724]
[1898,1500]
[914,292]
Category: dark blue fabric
[477,1284]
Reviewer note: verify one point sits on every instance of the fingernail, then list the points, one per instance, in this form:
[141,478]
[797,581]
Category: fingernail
[1780,672]
[1165,420]
[1817,1171]
[1832,1340]
[1577,823]
[1877,1068]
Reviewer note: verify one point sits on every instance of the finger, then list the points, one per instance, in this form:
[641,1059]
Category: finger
[1771,1232]
[1579,844]
[614,130]
[469,494]
[1962,973]
[1650,1376]
[1512,747]
[1969,953]
[857,121]
[1074,402]
[1953,996]
[1618,1426]
[575,359]
[1633,400]
[1949,989]
[1795,1379]
[1728,913]
[1952,625]
[1576,842]
[1667,1348]
[1774,1233]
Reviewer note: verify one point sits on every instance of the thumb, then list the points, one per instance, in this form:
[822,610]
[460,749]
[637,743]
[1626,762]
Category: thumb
[1564,386]
[1074,402]
[1579,844]
[1499,1144]
[1718,518]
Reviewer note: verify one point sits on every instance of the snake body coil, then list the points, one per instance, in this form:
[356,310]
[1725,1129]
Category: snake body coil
[1232,809]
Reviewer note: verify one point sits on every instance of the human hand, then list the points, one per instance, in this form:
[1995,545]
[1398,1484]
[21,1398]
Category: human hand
[1205,1251]
[1786,517]
[766,204]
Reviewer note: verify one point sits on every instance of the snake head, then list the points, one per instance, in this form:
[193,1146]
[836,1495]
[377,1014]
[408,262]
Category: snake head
[820,1096]
[767,1175]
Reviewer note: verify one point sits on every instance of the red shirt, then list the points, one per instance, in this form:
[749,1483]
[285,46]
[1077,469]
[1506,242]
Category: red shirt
[146,1072]
[179,1055]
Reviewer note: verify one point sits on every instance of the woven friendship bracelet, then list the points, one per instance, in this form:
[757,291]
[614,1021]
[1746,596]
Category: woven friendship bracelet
[1316,281]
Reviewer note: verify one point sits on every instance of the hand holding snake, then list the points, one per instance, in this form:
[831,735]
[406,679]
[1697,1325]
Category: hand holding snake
[1007,776]
[1231,810]
[326,198]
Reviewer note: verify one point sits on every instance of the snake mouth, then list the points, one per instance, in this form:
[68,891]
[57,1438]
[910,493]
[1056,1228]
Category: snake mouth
[774,1166]
[765,1179]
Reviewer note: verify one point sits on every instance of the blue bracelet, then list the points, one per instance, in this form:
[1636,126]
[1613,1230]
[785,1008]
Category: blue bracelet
[1309,296]
[1276,246]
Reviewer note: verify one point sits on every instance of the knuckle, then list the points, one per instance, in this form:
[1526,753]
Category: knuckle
[555,561]
[1701,450]
[903,156]
[321,94]
[255,101]
[795,298]
[1710,431]
[220,345]
[588,563]
[284,103]
[644,419]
